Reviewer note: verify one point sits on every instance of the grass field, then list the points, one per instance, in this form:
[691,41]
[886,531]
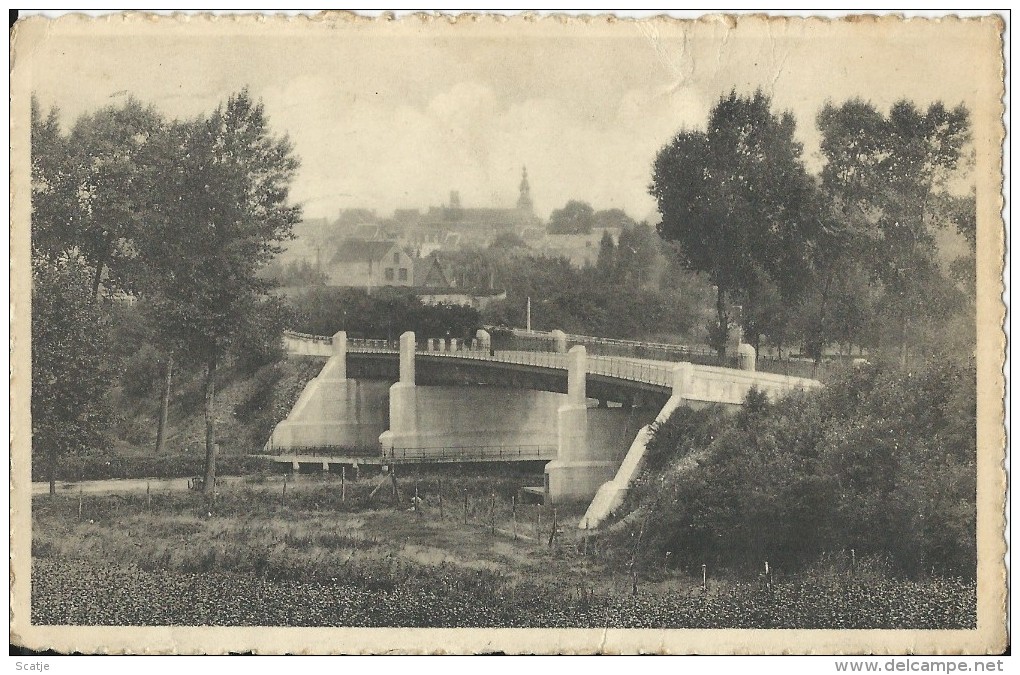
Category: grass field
[276,551]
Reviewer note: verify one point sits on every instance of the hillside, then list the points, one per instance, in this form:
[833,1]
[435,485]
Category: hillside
[248,406]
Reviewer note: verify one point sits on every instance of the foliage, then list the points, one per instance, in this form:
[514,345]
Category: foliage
[260,343]
[384,314]
[738,201]
[221,215]
[881,461]
[575,218]
[886,179]
[111,162]
[295,273]
[69,378]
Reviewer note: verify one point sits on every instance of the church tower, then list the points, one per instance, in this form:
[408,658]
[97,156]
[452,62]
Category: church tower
[524,201]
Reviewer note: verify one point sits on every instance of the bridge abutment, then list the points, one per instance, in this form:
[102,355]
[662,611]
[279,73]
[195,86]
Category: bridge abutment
[609,496]
[331,411]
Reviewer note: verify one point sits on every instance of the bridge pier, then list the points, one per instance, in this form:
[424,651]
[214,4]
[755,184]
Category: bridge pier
[403,431]
[575,475]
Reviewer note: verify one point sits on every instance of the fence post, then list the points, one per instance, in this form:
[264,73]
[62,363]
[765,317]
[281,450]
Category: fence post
[552,534]
[513,505]
[343,482]
[704,577]
[80,499]
[396,488]
[416,495]
[285,488]
[492,513]
[439,489]
[465,506]
[148,497]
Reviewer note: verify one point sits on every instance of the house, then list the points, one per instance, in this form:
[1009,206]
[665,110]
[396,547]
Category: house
[369,264]
[429,272]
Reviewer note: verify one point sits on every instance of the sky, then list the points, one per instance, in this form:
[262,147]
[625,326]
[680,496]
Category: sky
[398,115]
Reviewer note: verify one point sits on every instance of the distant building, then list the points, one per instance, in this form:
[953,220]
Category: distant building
[479,225]
[580,249]
[430,272]
[370,264]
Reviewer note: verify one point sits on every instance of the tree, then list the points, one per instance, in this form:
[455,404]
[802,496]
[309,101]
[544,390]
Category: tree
[69,381]
[574,218]
[737,199]
[887,175]
[52,193]
[220,216]
[637,253]
[605,264]
[612,218]
[110,170]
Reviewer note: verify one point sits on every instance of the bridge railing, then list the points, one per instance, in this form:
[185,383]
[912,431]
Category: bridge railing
[480,453]
[633,368]
[307,337]
[270,448]
[370,345]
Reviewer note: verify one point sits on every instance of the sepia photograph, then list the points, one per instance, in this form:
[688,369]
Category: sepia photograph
[337,334]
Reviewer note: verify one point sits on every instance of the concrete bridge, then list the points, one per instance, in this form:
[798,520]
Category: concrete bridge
[426,423]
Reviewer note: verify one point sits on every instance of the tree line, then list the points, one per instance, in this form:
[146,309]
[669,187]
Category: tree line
[176,215]
[846,256]
[634,289]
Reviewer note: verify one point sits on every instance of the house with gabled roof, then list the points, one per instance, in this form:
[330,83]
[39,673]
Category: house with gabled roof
[369,264]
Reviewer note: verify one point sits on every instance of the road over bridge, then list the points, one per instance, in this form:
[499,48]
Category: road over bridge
[422,422]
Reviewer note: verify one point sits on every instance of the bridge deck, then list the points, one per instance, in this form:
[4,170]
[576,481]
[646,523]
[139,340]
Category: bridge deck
[655,373]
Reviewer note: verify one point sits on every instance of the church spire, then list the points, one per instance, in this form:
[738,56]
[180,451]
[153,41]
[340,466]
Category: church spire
[524,201]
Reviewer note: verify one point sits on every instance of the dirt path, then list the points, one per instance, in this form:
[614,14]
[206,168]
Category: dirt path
[122,485]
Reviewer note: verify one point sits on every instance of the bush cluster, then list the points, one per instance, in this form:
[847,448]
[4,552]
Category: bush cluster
[881,461]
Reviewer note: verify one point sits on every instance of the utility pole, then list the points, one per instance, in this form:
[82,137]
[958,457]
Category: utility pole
[529,313]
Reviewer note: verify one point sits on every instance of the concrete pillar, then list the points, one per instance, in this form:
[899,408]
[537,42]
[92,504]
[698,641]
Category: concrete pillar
[453,344]
[407,358]
[295,466]
[340,343]
[432,345]
[484,339]
[560,341]
[403,431]
[683,379]
[577,375]
[747,358]
[575,475]
[325,467]
[442,344]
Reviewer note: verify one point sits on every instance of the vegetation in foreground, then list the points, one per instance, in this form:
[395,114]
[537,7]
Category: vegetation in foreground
[313,554]
[881,462]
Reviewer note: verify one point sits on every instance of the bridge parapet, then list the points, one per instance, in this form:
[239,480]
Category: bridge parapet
[705,383]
